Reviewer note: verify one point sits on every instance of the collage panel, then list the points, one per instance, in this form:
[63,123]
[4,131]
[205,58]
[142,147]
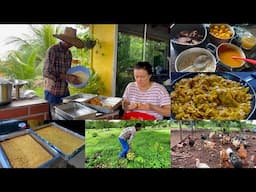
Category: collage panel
[211,47]
[127,144]
[213,144]
[42,144]
[217,96]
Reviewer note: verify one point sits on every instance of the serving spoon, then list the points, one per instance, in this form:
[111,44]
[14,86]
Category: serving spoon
[252,61]
[199,63]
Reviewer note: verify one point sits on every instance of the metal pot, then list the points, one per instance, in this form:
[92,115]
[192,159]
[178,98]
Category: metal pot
[218,40]
[186,58]
[177,28]
[224,53]
[5,92]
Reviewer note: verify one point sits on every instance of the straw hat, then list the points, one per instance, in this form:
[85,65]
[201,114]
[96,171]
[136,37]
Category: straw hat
[70,37]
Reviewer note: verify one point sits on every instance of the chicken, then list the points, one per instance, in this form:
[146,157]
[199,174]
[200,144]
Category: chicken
[242,153]
[203,136]
[181,144]
[251,162]
[201,165]
[236,142]
[191,142]
[225,140]
[224,159]
[234,159]
[211,135]
[209,144]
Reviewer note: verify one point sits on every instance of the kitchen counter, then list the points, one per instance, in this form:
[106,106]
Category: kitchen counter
[33,108]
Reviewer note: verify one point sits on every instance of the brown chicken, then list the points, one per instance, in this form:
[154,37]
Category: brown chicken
[242,153]
[224,159]
[209,144]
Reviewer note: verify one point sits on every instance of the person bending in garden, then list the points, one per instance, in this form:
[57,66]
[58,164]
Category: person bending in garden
[126,138]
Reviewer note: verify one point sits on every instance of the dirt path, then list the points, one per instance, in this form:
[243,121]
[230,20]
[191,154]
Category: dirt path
[184,157]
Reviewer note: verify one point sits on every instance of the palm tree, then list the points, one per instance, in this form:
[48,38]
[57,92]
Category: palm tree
[21,65]
[27,61]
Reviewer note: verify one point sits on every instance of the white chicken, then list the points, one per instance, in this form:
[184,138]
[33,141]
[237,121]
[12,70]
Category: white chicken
[236,142]
[201,165]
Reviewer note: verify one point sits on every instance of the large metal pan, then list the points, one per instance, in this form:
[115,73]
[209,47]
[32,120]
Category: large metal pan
[226,75]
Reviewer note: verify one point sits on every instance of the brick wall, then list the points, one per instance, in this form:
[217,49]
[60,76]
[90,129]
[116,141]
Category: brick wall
[36,112]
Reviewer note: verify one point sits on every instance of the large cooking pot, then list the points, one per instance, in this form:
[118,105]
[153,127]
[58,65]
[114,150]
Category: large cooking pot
[184,61]
[226,75]
[176,29]
[5,92]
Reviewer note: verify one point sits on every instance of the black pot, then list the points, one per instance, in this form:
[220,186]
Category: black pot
[226,75]
[177,28]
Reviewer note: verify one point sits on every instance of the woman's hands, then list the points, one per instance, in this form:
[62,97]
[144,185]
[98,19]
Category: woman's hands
[162,110]
[132,106]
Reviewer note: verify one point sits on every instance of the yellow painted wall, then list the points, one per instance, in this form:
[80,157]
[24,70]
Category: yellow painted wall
[103,56]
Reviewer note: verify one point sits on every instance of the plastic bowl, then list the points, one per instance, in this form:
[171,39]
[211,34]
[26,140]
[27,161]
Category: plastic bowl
[75,69]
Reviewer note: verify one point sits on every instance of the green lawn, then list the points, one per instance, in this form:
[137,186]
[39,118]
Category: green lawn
[151,148]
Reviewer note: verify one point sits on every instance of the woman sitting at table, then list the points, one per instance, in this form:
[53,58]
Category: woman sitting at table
[150,100]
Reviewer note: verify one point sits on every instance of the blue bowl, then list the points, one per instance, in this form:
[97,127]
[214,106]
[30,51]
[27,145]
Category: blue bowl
[82,69]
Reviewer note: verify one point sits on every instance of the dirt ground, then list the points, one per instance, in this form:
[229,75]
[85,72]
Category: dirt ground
[184,157]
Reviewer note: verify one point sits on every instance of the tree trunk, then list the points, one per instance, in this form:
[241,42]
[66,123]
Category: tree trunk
[180,129]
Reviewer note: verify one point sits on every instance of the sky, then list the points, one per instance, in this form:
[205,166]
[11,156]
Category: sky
[8,30]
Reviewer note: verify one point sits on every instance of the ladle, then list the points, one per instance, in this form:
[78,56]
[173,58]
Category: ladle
[244,59]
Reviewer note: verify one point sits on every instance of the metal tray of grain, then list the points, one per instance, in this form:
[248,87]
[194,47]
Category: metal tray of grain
[78,98]
[75,111]
[22,149]
[66,142]
[104,104]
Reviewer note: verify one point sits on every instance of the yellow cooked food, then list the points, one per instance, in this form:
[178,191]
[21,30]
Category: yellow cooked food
[95,101]
[61,139]
[82,76]
[221,31]
[210,97]
[25,152]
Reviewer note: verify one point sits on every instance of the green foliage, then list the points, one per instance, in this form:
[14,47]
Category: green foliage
[151,149]
[20,65]
[130,51]
[100,124]
[215,125]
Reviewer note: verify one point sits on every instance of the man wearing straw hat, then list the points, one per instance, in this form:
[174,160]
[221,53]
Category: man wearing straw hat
[57,61]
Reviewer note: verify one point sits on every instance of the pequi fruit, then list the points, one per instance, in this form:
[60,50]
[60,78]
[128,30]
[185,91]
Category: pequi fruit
[130,155]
